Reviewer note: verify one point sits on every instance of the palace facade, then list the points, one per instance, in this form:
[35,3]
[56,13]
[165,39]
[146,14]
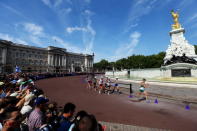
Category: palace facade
[34,59]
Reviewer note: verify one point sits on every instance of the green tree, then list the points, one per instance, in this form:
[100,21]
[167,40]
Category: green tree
[102,65]
[133,62]
[195,48]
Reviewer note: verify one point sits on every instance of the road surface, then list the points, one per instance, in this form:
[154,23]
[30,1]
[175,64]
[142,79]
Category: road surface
[118,108]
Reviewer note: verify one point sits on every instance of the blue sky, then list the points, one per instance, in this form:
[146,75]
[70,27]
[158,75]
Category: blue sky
[112,29]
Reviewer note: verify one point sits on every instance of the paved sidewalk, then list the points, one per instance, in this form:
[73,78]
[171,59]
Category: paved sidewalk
[181,92]
[160,83]
[121,127]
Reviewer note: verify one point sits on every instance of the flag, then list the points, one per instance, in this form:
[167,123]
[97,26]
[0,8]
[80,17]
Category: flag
[17,69]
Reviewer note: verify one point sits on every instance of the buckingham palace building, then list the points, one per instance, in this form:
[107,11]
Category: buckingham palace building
[34,59]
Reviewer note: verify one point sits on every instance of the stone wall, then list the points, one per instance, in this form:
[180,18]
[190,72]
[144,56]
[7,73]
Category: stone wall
[145,73]
[194,73]
[117,73]
[138,73]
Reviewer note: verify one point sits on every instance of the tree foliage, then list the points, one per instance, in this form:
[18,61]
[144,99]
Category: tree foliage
[132,62]
[195,48]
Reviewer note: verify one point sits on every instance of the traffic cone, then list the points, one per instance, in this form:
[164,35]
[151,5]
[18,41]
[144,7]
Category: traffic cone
[187,107]
[156,101]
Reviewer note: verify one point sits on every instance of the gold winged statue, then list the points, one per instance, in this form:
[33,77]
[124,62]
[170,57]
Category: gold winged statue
[175,16]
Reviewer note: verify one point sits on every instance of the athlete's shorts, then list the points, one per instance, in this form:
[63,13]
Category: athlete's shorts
[90,82]
[142,89]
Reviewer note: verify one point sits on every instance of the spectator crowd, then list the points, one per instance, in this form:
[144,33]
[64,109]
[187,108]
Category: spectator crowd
[24,107]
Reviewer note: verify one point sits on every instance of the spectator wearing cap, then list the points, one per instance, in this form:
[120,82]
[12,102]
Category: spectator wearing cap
[36,117]
[65,121]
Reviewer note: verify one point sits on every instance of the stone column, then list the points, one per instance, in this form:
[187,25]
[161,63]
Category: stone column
[1,61]
[72,67]
[90,63]
[1,55]
[60,59]
[55,60]
[51,62]
[65,61]
[86,63]
[61,62]
[49,59]
[4,55]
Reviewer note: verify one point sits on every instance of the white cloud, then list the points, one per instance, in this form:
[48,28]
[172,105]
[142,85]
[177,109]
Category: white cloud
[13,10]
[67,10]
[6,37]
[36,40]
[33,28]
[64,11]
[73,29]
[192,18]
[87,1]
[47,3]
[133,25]
[35,33]
[13,39]
[19,41]
[54,4]
[89,37]
[66,45]
[184,3]
[140,8]
[69,1]
[125,50]
[57,2]
[88,12]
[88,32]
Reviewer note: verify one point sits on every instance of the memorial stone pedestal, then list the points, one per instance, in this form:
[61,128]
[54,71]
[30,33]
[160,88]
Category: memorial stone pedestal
[180,59]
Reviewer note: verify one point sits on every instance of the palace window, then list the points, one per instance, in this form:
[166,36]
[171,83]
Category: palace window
[16,54]
[41,63]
